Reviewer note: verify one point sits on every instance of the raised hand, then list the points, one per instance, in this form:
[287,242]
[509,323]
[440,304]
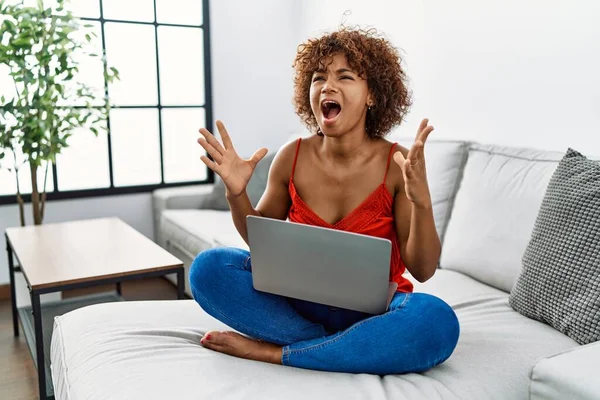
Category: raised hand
[233,170]
[413,168]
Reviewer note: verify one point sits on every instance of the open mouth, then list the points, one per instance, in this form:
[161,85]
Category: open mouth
[330,109]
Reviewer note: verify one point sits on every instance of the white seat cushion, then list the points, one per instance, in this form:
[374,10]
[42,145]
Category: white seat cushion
[198,230]
[185,233]
[150,350]
[457,289]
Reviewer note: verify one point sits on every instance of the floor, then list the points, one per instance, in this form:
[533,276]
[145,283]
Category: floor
[18,376]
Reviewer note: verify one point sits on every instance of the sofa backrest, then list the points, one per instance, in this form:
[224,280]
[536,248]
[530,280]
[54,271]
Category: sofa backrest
[258,182]
[494,211]
[445,160]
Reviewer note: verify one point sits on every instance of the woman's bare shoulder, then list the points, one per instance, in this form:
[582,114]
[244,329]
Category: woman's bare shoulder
[284,161]
[402,149]
[395,178]
[397,146]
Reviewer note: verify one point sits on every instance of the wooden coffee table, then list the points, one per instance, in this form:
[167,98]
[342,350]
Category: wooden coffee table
[64,256]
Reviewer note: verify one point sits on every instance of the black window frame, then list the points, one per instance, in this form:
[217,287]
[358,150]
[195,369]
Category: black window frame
[56,194]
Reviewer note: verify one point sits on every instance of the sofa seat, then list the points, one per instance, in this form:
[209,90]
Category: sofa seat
[198,230]
[151,350]
[185,233]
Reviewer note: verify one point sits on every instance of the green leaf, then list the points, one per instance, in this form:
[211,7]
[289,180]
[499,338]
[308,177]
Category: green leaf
[39,54]
[22,42]
[8,26]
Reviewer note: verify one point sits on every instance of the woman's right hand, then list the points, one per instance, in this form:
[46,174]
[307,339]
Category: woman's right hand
[233,170]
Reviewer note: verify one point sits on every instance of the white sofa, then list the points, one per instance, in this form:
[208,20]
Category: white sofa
[486,199]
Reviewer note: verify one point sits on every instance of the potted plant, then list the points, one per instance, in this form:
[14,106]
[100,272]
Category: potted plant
[38,45]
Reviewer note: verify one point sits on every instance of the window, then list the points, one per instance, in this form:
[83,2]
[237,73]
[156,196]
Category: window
[161,49]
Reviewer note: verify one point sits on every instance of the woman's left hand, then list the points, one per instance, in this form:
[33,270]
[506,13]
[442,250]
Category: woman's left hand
[413,168]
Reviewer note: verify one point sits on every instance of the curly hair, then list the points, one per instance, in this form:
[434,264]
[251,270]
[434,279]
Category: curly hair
[373,58]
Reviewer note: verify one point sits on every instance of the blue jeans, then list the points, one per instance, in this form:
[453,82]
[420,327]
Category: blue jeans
[418,332]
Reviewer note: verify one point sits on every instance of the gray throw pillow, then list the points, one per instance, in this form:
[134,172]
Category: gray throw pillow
[216,199]
[560,280]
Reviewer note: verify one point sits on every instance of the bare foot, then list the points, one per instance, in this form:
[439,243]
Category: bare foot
[237,345]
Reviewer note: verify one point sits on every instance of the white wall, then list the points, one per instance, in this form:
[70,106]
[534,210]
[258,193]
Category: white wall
[519,73]
[253,47]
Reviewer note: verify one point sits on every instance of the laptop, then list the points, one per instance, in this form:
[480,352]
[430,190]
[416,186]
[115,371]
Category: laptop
[321,265]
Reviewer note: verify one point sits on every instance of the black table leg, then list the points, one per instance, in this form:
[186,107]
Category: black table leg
[39,343]
[180,284]
[13,296]
[119,291]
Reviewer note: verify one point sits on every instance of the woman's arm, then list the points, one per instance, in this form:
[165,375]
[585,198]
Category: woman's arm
[236,173]
[275,201]
[420,245]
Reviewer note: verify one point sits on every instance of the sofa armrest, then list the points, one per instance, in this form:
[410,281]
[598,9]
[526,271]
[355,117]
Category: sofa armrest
[572,374]
[183,197]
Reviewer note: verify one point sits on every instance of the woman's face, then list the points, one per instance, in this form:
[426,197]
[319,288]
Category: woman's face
[339,98]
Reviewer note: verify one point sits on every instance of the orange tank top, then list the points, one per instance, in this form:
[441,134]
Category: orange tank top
[374,217]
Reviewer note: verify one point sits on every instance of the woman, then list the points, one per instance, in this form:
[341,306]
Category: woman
[350,90]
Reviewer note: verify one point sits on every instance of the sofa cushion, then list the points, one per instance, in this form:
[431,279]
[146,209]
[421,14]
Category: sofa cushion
[457,289]
[216,200]
[560,281]
[445,160]
[198,230]
[150,350]
[494,211]
[180,197]
[572,374]
[185,233]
